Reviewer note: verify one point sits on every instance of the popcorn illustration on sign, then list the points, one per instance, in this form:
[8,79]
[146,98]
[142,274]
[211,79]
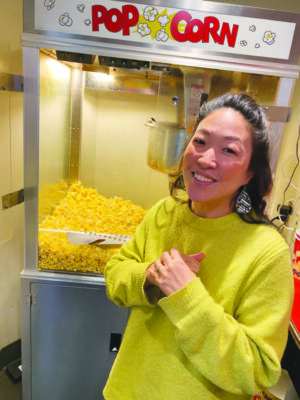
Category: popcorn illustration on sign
[163,20]
[65,20]
[87,22]
[150,13]
[80,7]
[252,28]
[143,29]
[243,43]
[49,4]
[269,37]
[161,36]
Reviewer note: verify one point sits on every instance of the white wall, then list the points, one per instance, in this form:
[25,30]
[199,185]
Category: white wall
[284,192]
[11,174]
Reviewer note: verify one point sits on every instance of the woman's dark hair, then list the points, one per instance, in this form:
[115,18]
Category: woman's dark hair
[261,182]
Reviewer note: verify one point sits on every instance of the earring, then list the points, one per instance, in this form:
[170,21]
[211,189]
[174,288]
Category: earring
[243,204]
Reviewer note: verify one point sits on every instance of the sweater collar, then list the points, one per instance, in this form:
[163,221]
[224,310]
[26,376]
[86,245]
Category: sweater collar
[222,223]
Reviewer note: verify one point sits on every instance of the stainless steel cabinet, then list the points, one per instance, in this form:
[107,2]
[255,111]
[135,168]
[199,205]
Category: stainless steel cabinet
[76,333]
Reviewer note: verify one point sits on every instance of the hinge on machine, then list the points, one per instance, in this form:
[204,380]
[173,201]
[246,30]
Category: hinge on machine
[12,199]
[30,299]
[11,82]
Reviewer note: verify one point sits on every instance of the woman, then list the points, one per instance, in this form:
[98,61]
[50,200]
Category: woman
[208,279]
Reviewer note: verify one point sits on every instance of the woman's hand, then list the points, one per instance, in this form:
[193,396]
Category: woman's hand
[149,276]
[173,271]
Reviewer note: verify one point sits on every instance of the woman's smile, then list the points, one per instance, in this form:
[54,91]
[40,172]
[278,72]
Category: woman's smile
[202,179]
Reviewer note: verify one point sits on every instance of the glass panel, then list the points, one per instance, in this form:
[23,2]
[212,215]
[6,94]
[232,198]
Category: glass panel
[6,167]
[108,135]
[55,86]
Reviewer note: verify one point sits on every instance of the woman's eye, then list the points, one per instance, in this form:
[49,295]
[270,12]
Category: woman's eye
[199,141]
[229,150]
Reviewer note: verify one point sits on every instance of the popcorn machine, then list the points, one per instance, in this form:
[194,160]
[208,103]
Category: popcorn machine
[111,91]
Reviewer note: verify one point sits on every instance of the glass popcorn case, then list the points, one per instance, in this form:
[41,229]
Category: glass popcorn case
[111,92]
[108,136]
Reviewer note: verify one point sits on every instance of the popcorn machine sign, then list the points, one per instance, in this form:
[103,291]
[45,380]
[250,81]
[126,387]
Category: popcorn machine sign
[194,31]
[137,23]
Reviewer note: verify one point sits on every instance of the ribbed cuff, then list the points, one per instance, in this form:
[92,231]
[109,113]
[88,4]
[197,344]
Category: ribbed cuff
[147,297]
[179,304]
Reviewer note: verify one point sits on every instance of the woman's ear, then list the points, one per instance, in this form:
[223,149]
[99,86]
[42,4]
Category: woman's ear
[249,176]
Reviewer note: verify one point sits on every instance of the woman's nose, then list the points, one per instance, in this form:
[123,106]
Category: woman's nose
[207,158]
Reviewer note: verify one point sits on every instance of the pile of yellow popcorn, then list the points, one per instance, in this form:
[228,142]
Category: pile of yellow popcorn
[85,210]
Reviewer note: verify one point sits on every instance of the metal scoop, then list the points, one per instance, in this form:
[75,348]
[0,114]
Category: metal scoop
[76,237]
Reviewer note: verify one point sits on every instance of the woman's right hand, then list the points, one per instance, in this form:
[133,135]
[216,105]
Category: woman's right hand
[192,261]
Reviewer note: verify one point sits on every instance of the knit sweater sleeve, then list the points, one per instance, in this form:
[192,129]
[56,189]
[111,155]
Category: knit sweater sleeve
[125,272]
[239,353]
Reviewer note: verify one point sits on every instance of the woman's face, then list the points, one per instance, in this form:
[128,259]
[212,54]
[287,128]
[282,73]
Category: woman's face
[215,163]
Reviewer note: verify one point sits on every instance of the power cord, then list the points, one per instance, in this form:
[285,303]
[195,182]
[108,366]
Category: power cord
[286,210]
[295,168]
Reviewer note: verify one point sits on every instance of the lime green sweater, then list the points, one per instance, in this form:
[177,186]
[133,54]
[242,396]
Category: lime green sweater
[219,337]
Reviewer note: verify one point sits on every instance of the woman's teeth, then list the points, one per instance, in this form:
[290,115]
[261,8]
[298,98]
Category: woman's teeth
[202,178]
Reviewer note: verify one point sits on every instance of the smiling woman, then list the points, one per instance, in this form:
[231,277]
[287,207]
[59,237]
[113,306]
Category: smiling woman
[216,162]
[198,275]
[230,146]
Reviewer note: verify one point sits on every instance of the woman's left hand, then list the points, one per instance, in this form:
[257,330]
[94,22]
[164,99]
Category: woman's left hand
[174,270]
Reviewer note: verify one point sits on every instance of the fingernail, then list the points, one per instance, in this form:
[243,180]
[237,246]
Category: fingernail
[198,256]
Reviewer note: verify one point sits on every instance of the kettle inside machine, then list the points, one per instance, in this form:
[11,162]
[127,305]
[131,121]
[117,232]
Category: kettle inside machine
[181,92]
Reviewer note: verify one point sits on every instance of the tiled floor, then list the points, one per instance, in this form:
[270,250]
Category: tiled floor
[8,389]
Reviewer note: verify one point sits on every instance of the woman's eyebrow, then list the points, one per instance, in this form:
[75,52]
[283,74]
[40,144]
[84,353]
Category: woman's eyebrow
[203,131]
[233,138]
[225,137]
